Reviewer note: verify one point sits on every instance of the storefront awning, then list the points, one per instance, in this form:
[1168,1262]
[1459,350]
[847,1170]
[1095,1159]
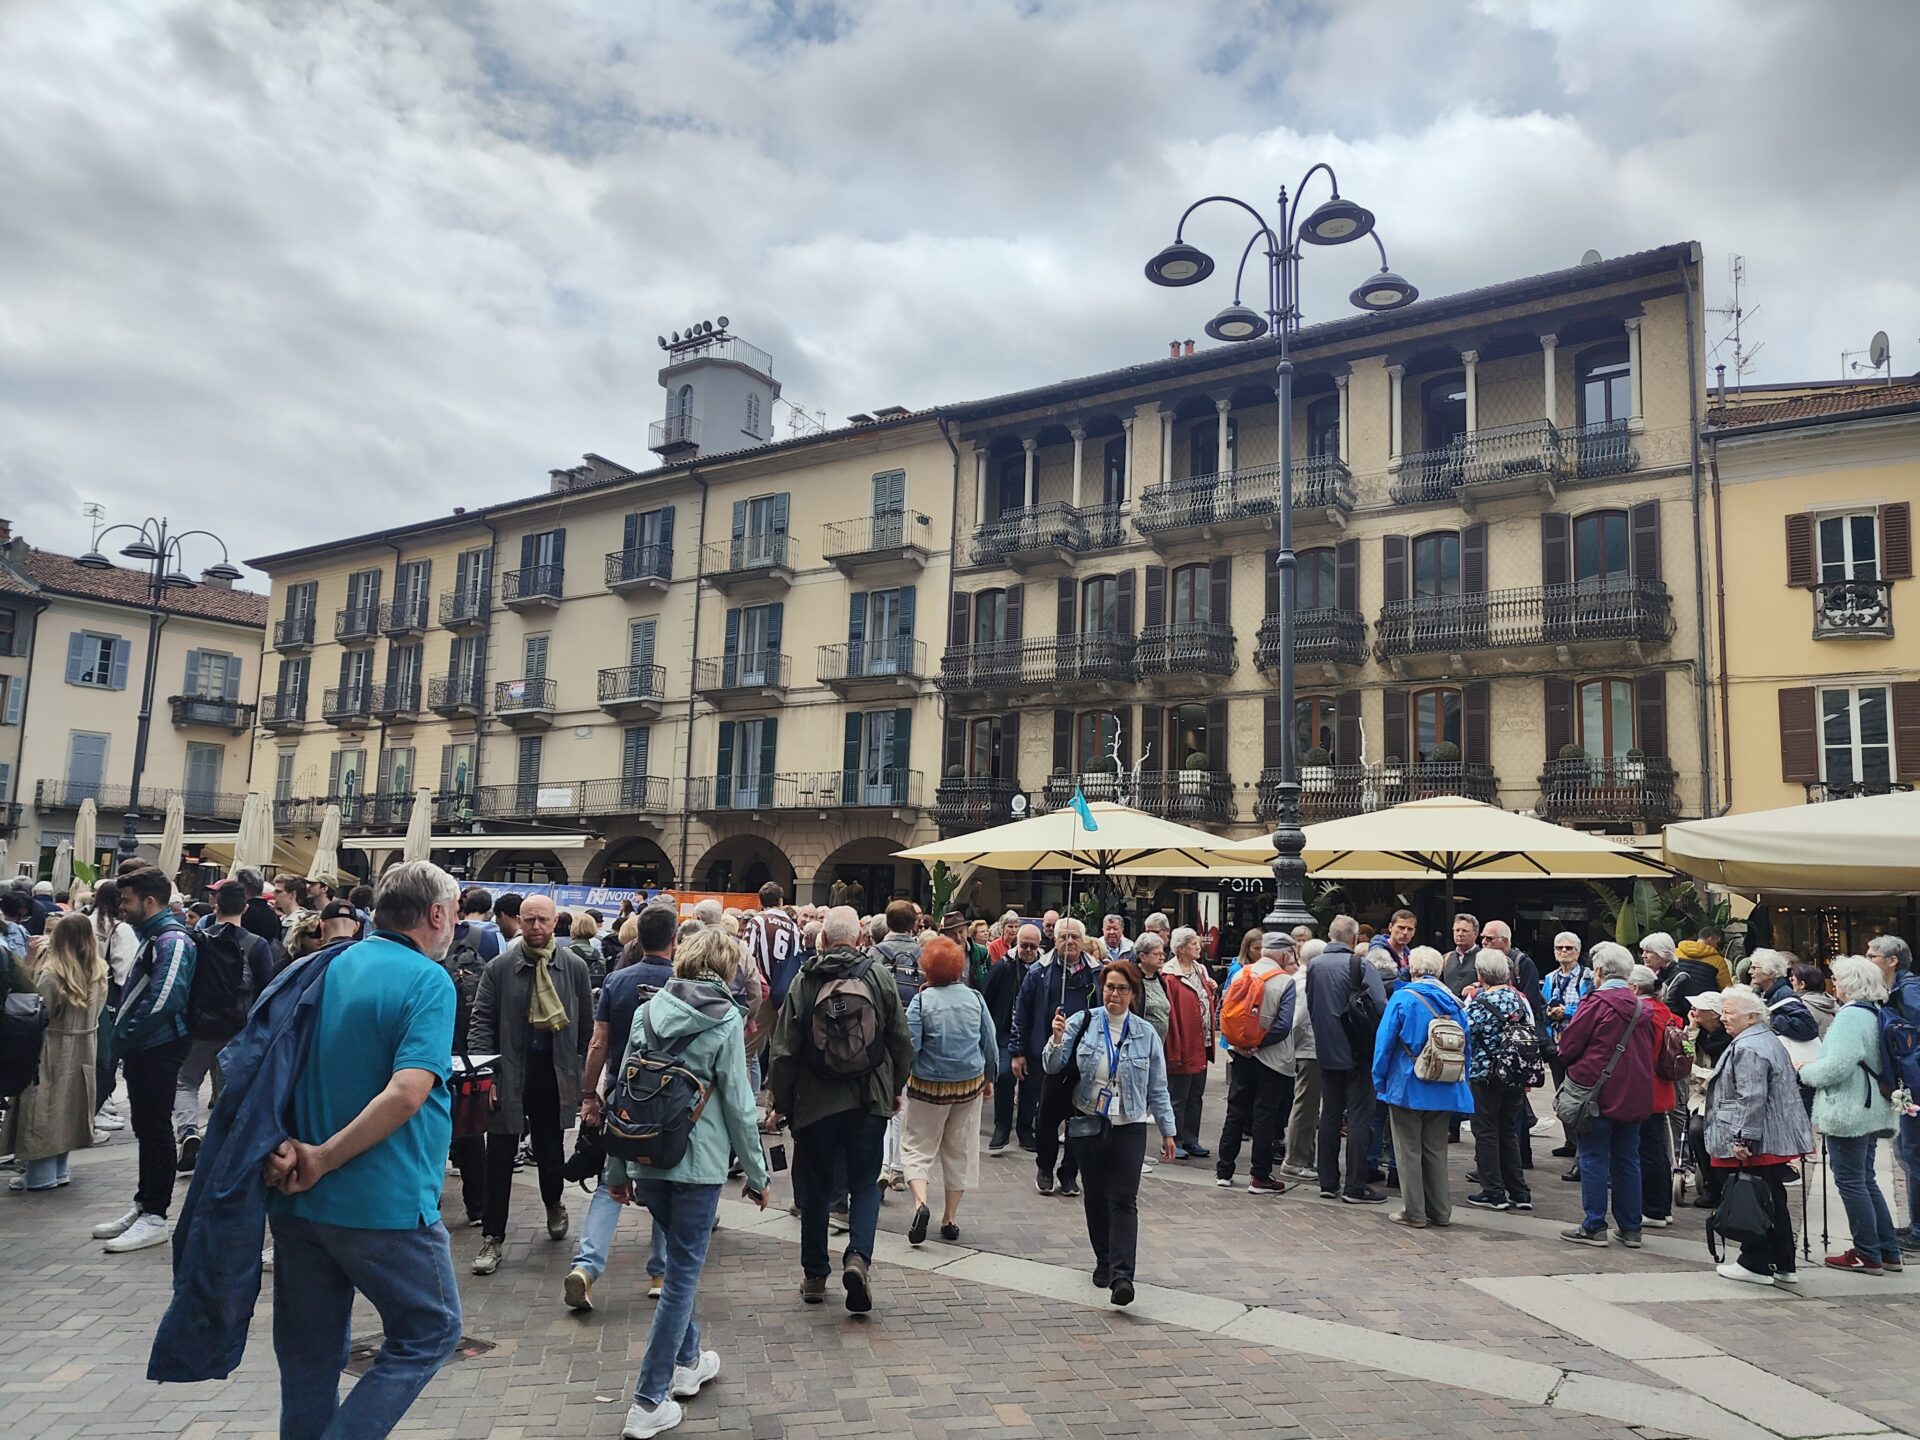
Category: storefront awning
[474,842]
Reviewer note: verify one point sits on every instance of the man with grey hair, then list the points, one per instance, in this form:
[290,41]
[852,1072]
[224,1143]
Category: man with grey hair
[1260,1077]
[709,911]
[1610,1046]
[1345,999]
[1063,983]
[355,1194]
[1895,958]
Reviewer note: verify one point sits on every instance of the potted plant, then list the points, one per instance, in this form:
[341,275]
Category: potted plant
[1393,778]
[955,772]
[1097,783]
[1439,772]
[1195,774]
[1633,769]
[1316,771]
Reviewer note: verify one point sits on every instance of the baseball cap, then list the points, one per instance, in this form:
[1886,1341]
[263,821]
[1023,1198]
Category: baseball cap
[340,910]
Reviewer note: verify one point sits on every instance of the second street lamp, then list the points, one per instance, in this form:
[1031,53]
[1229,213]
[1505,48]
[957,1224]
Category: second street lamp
[1335,222]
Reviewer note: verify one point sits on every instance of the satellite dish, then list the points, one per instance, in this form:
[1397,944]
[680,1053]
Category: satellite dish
[1877,349]
[724,322]
[1592,257]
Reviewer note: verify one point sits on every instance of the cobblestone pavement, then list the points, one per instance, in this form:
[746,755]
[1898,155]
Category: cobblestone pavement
[1288,1317]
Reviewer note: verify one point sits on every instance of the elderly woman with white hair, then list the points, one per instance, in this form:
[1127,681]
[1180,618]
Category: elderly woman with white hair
[1609,1049]
[1787,1014]
[1190,1031]
[1755,1123]
[1854,1115]
[1423,1089]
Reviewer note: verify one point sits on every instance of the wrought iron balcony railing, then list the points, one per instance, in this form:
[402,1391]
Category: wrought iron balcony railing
[1321,482]
[1626,609]
[1052,528]
[525,695]
[622,795]
[1328,792]
[462,609]
[886,659]
[1193,797]
[345,704]
[455,694]
[633,685]
[747,556]
[532,585]
[676,432]
[404,617]
[1185,648]
[289,708]
[1331,637]
[1823,790]
[1483,457]
[10,816]
[211,710]
[356,622]
[641,565]
[1600,449]
[882,788]
[400,698]
[875,537]
[293,633]
[1853,610]
[1625,788]
[200,804]
[747,670]
[963,804]
[1012,664]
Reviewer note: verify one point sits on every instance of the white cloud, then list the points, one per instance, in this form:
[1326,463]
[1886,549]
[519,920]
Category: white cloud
[281,268]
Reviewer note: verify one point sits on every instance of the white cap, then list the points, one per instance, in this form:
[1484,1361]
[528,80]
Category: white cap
[1707,1000]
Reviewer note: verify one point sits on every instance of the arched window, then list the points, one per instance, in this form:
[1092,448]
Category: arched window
[1600,547]
[1436,718]
[1605,708]
[753,416]
[1323,429]
[1190,595]
[683,400]
[1606,384]
[989,617]
[1313,580]
[1094,732]
[1436,563]
[1013,482]
[1313,723]
[1203,446]
[1443,410]
[1100,606]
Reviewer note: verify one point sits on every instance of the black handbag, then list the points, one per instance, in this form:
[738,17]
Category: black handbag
[1087,1127]
[1745,1214]
[1056,1090]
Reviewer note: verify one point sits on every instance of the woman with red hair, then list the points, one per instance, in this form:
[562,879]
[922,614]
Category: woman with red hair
[955,1053]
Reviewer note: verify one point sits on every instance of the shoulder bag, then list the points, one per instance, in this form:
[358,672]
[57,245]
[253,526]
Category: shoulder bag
[1577,1106]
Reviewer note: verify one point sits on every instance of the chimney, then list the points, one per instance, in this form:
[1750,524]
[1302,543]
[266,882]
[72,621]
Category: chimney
[214,582]
[1189,347]
[1173,349]
[6,531]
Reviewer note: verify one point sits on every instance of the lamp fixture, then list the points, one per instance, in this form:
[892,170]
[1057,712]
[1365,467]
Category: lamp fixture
[1385,291]
[1180,264]
[1336,222]
[1237,323]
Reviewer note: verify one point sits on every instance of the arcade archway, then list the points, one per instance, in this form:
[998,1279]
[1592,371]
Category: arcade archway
[743,863]
[638,864]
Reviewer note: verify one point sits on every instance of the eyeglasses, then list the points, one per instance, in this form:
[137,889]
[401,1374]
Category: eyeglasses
[1117,987]
[1567,947]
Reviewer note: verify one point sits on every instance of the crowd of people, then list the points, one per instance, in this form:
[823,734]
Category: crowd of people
[891,1048]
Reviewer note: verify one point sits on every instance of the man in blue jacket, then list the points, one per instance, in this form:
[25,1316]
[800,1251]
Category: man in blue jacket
[150,1040]
[1064,982]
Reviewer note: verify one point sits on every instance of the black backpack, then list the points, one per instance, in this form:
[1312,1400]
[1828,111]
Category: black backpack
[1361,1018]
[222,991]
[23,1033]
[656,1102]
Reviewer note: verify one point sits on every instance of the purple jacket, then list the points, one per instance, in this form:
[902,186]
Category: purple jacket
[1587,1044]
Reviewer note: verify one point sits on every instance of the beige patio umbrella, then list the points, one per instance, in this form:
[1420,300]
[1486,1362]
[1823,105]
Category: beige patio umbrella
[419,843]
[1868,846]
[326,850]
[253,839]
[86,833]
[173,837]
[1061,840]
[63,866]
[1445,837]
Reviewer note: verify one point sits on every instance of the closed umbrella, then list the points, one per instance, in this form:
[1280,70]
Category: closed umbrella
[173,837]
[326,850]
[246,845]
[419,844]
[86,834]
[63,866]
[1866,846]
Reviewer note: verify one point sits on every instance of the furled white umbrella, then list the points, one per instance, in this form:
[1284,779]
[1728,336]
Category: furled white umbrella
[86,834]
[173,837]
[248,849]
[419,845]
[63,866]
[326,850]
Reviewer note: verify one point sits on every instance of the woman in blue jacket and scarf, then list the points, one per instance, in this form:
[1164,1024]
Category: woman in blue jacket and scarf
[1420,1110]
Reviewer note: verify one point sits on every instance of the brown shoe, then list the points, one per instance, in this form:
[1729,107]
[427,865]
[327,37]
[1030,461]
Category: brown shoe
[813,1288]
[859,1296]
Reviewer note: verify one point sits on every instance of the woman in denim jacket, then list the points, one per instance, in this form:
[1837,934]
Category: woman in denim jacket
[1123,1082]
[955,1057]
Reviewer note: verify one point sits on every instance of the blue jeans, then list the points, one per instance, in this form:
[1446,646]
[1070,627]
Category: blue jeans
[1909,1143]
[859,1137]
[46,1173]
[407,1274]
[684,1215]
[1867,1214]
[1610,1154]
[596,1238]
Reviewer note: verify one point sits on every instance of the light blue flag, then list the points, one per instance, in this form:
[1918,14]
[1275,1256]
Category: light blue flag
[1084,810]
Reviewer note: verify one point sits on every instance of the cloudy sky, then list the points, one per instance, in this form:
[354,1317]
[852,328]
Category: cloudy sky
[282,267]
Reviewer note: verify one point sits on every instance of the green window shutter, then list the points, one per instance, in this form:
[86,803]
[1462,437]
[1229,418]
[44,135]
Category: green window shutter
[122,653]
[723,767]
[192,680]
[902,753]
[769,733]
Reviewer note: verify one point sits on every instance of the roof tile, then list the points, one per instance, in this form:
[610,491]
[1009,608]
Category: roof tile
[120,585]
[1820,405]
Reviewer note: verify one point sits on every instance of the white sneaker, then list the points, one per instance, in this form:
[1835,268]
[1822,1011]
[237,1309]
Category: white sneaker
[1734,1270]
[1786,1277]
[113,1229]
[107,1120]
[101,1137]
[1542,1126]
[143,1234]
[266,1260]
[645,1420]
[689,1379]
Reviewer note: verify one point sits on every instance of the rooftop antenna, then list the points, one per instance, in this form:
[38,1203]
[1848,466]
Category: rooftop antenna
[1736,312]
[96,515]
[799,422]
[1879,352]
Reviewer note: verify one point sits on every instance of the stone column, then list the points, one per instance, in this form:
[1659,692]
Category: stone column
[1030,444]
[1549,379]
[1221,408]
[1340,386]
[1396,413]
[1166,445]
[1126,458]
[980,463]
[1079,433]
[1633,370]
[1470,360]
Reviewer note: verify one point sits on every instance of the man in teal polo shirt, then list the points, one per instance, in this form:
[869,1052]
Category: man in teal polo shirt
[356,1195]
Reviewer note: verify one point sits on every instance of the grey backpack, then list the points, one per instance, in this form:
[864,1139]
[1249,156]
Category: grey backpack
[843,1030]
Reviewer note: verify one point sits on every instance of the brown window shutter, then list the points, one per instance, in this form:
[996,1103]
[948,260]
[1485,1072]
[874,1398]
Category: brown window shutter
[1063,605]
[956,746]
[1006,757]
[1273,733]
[1346,727]
[1650,713]
[1643,540]
[1556,566]
[1799,735]
[1153,728]
[1397,739]
[1476,723]
[1559,697]
[1906,730]
[1063,740]
[1473,560]
[1216,736]
[1015,610]
[1393,567]
[957,622]
[1123,601]
[1220,597]
[1272,572]
[1800,569]
[1346,575]
[1896,541]
[1156,595]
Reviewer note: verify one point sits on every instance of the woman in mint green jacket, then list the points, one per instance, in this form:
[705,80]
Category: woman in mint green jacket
[1850,1111]
[696,1015]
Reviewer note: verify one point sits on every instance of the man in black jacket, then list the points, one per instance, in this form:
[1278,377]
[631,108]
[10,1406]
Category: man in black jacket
[226,939]
[1344,1045]
[259,917]
[1013,1100]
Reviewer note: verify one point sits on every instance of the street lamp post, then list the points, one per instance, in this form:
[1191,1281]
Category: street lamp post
[1335,222]
[158,546]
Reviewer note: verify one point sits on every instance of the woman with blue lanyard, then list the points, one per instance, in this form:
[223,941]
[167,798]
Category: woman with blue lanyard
[1565,987]
[1119,1069]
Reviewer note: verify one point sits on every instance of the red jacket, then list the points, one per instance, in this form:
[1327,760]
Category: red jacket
[1587,1044]
[1186,1028]
[1664,1098]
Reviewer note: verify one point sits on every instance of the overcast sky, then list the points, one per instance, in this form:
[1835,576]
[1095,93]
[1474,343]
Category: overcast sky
[285,268]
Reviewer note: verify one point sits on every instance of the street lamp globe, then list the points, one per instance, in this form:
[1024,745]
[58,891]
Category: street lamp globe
[1237,322]
[1385,291]
[224,571]
[94,560]
[1337,222]
[1180,264]
[178,580]
[141,550]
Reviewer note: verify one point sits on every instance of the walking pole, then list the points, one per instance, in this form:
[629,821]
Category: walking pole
[1825,1172]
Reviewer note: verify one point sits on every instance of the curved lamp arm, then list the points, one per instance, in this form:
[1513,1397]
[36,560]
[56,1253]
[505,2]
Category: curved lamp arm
[1258,219]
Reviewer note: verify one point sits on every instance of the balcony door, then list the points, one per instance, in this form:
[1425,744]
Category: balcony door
[1191,596]
[751,781]
[1605,709]
[880,649]
[1849,547]
[1856,742]
[889,509]
[1436,721]
[879,742]
[86,766]
[1437,595]
[1203,447]
[526,775]
[763,542]
[756,634]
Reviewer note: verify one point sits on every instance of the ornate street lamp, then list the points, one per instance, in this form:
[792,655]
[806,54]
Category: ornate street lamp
[1336,222]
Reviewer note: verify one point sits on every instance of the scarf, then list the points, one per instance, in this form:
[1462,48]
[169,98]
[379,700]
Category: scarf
[544,1010]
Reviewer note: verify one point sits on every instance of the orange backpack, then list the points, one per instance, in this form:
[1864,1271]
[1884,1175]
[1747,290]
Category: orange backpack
[1240,1011]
